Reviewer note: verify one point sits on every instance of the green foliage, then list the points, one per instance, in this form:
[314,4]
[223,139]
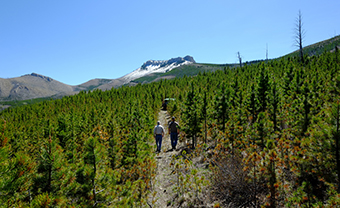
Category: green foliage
[191,116]
[18,103]
[190,182]
[273,128]
[222,106]
[79,150]
[281,119]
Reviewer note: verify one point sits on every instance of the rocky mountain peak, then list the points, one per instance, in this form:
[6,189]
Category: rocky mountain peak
[48,79]
[153,66]
[176,61]
[190,59]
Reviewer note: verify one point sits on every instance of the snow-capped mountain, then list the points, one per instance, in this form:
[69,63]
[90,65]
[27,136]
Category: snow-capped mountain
[152,66]
[36,86]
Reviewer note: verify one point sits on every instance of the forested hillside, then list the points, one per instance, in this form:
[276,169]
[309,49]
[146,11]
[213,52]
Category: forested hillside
[276,131]
[91,149]
[270,132]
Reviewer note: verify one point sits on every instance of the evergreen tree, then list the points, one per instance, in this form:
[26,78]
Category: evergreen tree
[306,109]
[252,104]
[204,113]
[51,171]
[16,180]
[222,106]
[274,100]
[263,89]
[335,124]
[93,181]
[288,80]
[191,115]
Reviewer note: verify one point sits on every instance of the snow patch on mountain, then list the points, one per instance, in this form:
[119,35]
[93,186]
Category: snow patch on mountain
[153,66]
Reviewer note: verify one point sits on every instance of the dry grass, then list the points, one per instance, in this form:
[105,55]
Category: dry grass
[233,186]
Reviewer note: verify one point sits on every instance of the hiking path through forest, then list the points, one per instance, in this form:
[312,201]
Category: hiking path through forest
[163,194]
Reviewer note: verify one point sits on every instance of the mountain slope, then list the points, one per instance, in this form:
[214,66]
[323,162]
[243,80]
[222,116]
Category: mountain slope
[319,47]
[183,70]
[149,68]
[152,66]
[92,84]
[32,86]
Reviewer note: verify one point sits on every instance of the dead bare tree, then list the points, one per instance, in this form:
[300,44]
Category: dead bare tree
[239,58]
[299,35]
[267,52]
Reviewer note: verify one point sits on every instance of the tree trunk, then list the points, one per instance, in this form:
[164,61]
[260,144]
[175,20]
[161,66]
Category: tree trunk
[93,181]
[299,35]
[336,137]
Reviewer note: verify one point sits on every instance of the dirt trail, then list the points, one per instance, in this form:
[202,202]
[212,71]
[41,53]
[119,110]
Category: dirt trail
[164,181]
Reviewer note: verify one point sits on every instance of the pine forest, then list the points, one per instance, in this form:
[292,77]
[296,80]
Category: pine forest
[269,133]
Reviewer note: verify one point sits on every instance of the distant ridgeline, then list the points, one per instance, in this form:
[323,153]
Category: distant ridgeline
[32,86]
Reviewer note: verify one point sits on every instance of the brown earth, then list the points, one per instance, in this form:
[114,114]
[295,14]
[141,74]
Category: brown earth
[163,194]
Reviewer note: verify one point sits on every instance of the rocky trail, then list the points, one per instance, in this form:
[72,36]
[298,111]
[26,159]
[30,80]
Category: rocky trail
[163,194]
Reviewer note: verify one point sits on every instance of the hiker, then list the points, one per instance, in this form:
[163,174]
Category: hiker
[158,132]
[173,131]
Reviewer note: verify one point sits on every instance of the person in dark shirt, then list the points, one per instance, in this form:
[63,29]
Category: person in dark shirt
[174,131]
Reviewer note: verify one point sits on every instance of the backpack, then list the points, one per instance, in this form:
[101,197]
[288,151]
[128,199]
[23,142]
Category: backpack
[173,126]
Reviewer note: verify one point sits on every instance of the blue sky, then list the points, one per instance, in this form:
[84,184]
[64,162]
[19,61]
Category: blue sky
[74,41]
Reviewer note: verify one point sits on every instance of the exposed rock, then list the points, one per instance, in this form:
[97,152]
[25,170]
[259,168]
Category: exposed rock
[48,79]
[164,63]
[189,58]
[153,66]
